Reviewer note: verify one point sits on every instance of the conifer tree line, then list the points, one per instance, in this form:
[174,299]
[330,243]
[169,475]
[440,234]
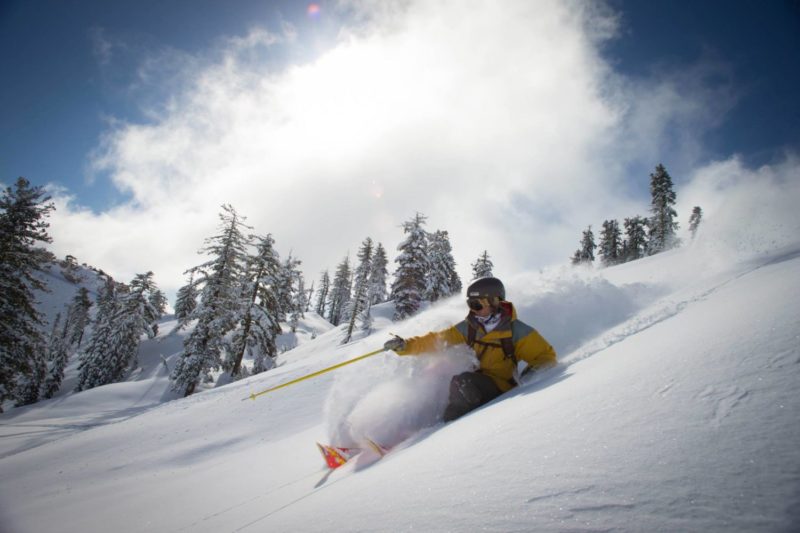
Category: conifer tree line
[32,361]
[236,301]
[124,314]
[425,272]
[638,236]
[348,298]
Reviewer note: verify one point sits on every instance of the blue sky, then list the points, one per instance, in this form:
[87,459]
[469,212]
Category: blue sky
[58,96]
[758,43]
[137,108]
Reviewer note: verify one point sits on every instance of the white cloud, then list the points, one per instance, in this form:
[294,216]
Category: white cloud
[498,120]
[102,48]
[745,211]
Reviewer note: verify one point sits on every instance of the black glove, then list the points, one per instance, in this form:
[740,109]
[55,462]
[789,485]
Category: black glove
[395,344]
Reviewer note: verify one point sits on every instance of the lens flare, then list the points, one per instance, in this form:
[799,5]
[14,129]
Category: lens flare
[313,10]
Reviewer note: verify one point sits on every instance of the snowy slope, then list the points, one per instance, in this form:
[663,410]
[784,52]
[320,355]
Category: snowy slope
[674,407]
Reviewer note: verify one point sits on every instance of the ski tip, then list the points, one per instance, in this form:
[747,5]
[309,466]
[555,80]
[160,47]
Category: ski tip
[334,456]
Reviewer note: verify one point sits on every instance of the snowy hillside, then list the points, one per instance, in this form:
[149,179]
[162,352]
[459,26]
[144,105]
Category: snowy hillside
[674,408]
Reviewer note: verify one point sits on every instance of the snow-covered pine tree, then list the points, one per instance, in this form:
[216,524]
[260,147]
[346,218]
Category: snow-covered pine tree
[298,303]
[585,254]
[134,315]
[340,292]
[186,301]
[635,238]
[360,300]
[159,302]
[482,267]
[23,210]
[662,223]
[57,331]
[78,317]
[322,293]
[309,297]
[63,341]
[409,286]
[259,318]
[285,286]
[442,280]
[610,243]
[69,269]
[57,356]
[137,315]
[377,276]
[220,303]
[93,369]
[694,220]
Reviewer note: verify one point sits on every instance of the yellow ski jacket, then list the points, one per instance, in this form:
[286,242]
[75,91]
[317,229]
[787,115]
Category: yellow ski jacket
[529,345]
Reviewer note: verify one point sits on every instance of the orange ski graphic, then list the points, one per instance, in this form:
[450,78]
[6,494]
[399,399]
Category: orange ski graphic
[335,456]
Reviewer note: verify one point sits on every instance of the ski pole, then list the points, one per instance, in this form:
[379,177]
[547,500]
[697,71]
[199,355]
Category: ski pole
[303,378]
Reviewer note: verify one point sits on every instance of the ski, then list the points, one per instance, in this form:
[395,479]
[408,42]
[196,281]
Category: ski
[335,456]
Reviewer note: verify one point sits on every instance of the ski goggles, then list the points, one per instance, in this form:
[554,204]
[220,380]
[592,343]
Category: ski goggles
[476,304]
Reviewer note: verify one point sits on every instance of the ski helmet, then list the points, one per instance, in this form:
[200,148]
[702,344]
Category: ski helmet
[489,288]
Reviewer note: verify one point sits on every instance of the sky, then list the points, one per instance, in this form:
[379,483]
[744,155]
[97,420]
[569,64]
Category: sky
[513,125]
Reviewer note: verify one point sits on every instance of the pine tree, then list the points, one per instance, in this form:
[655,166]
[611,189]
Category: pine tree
[138,314]
[23,210]
[585,254]
[482,267]
[78,317]
[309,297]
[409,287]
[69,269]
[186,301]
[322,293]
[298,303]
[285,286]
[133,315]
[377,276]
[610,243]
[662,223]
[63,341]
[158,300]
[360,300]
[58,357]
[442,280]
[259,324]
[220,303]
[635,238]
[694,220]
[340,292]
[92,369]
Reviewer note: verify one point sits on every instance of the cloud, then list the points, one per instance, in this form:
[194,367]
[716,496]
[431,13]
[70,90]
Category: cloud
[102,47]
[746,211]
[501,121]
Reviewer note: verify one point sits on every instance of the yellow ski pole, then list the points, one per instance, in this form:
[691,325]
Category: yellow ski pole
[309,376]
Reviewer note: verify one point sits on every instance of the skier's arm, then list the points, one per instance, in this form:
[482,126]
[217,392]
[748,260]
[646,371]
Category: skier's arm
[535,350]
[432,342]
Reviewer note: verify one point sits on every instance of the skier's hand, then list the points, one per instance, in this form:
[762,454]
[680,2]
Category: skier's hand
[395,344]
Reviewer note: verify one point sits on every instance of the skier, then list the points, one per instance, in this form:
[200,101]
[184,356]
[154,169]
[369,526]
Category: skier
[499,340]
